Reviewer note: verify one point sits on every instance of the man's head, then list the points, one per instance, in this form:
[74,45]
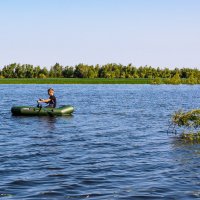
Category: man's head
[51,91]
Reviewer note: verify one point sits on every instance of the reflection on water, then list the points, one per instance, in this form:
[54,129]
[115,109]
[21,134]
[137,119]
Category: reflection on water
[186,164]
[42,123]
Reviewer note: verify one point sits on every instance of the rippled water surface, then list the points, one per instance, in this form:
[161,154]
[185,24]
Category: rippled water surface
[115,146]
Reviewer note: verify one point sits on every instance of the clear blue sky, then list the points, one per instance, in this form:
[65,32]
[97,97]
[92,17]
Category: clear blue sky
[163,33]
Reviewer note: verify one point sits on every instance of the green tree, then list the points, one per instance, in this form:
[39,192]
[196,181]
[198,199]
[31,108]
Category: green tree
[81,71]
[68,72]
[56,71]
[166,73]
[44,71]
[36,72]
[9,71]
[19,71]
[41,75]
[29,71]
[191,80]
[175,79]
[92,72]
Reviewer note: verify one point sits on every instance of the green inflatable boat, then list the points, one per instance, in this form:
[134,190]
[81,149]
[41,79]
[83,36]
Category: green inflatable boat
[35,111]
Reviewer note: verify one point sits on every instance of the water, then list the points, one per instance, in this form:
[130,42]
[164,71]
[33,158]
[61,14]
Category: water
[115,146]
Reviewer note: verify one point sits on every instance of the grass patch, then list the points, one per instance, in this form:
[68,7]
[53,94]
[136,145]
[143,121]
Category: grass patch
[73,81]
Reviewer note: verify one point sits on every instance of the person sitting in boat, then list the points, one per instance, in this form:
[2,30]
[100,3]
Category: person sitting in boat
[51,101]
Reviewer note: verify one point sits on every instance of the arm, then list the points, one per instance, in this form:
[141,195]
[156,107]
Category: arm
[44,100]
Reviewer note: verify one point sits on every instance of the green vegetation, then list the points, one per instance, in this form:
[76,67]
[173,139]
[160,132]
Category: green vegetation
[73,81]
[190,123]
[109,73]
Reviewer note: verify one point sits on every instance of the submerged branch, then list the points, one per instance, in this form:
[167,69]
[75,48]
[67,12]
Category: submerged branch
[189,122]
[187,119]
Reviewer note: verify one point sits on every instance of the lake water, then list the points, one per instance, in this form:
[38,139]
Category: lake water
[115,146]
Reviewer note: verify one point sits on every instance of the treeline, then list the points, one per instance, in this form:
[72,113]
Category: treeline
[111,70]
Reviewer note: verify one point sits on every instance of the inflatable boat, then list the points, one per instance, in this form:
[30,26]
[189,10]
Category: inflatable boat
[42,111]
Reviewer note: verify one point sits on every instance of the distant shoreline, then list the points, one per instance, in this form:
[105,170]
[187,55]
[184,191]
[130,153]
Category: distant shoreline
[86,81]
[73,81]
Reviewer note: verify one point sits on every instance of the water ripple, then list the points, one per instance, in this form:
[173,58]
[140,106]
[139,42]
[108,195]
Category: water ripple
[115,146]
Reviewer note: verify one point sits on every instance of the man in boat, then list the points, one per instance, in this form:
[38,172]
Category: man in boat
[51,101]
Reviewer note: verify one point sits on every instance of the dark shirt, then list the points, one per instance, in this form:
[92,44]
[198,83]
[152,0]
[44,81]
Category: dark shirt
[52,103]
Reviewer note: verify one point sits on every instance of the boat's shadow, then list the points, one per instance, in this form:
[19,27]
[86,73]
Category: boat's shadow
[46,122]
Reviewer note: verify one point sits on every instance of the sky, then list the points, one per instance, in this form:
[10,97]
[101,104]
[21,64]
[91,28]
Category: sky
[157,33]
